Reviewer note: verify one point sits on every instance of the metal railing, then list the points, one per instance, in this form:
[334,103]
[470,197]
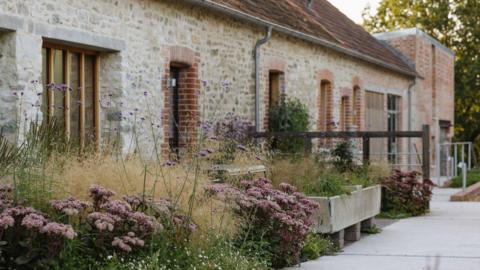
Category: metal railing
[451,157]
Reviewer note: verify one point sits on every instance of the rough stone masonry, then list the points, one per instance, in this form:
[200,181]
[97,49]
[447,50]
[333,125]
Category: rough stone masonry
[138,41]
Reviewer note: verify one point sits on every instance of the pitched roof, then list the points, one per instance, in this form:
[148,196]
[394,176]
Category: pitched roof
[319,20]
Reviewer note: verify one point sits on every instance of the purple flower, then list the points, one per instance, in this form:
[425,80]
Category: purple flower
[169,163]
[145,93]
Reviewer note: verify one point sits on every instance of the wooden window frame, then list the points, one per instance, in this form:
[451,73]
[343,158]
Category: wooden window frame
[67,50]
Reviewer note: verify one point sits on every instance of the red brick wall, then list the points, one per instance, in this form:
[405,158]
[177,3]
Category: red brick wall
[189,86]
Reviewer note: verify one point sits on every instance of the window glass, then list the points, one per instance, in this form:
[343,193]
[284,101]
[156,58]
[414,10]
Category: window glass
[89,100]
[65,102]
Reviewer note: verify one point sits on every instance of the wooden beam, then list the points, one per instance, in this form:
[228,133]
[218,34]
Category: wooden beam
[426,152]
[66,72]
[97,103]
[341,134]
[81,71]
[366,150]
[50,91]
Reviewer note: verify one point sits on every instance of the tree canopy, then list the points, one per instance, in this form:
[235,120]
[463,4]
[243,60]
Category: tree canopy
[455,23]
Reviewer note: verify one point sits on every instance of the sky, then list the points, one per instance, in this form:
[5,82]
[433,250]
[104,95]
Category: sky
[354,8]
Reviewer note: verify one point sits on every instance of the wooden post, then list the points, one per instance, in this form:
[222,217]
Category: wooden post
[307,145]
[51,80]
[366,150]
[426,152]
[97,102]
[66,72]
[81,70]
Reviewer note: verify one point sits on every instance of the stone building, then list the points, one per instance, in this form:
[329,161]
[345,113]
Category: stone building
[135,68]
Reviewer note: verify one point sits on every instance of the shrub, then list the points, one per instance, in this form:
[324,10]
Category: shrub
[316,246]
[473,177]
[28,237]
[328,185]
[276,220]
[343,157]
[231,134]
[290,115]
[404,193]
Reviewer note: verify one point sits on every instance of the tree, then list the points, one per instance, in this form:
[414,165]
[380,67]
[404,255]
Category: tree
[455,23]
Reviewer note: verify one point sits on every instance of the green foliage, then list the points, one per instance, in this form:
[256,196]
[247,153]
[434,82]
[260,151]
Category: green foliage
[394,214]
[372,230]
[316,246]
[455,24]
[328,185]
[343,157]
[290,115]
[473,177]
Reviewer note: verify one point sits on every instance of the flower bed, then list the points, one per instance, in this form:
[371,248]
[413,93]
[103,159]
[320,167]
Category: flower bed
[337,213]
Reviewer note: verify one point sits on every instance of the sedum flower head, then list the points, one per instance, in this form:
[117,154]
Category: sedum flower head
[58,229]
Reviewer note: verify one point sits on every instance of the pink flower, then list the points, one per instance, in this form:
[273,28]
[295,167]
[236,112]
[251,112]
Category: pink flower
[58,229]
[103,221]
[100,195]
[287,188]
[6,221]
[33,220]
[69,206]
[145,223]
[125,243]
[20,211]
[118,208]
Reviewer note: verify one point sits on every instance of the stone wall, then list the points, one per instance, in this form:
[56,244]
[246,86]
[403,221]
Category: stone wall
[147,29]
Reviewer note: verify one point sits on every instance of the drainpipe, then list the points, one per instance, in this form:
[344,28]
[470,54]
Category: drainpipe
[257,76]
[410,122]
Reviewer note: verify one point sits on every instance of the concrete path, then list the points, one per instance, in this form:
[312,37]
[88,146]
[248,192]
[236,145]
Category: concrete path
[447,239]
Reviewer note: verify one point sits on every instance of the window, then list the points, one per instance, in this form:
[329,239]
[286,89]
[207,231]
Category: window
[393,107]
[71,95]
[274,88]
[344,117]
[325,121]
[375,120]
[174,119]
[357,107]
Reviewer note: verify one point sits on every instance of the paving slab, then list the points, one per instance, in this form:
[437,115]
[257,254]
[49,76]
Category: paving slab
[446,239]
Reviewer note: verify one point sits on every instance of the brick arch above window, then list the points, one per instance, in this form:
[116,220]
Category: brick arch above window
[275,64]
[346,92]
[182,55]
[325,75]
[357,82]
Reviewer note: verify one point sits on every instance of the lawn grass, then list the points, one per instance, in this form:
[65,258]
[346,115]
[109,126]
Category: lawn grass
[473,177]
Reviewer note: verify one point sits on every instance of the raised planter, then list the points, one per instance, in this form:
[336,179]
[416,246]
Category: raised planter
[345,215]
